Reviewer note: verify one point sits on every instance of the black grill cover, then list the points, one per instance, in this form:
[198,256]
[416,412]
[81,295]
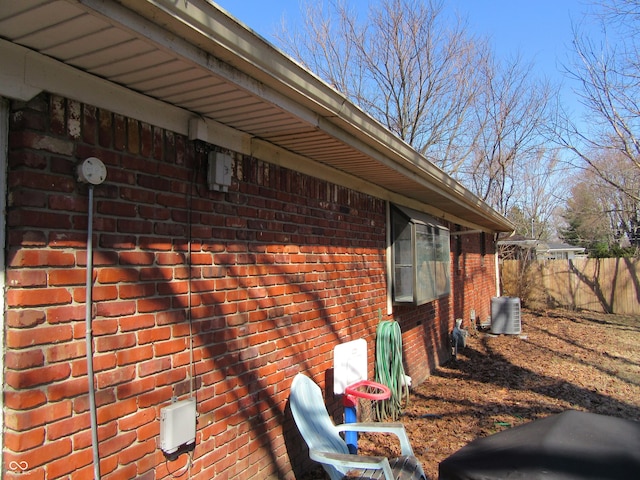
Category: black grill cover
[570,445]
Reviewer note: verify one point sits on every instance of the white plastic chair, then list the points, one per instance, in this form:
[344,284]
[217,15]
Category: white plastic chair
[327,447]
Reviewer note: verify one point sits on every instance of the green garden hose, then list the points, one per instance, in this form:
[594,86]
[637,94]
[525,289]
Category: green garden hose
[389,370]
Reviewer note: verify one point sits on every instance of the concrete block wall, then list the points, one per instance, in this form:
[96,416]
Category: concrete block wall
[221,295]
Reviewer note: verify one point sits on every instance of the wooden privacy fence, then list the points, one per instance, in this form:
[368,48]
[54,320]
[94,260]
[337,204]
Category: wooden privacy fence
[608,285]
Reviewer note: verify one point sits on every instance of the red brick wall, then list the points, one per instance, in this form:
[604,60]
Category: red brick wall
[268,276]
[473,275]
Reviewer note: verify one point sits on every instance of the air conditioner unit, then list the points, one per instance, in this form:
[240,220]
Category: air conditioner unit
[505,315]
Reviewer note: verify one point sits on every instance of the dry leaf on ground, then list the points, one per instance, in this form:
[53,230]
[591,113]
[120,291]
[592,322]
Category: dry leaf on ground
[562,360]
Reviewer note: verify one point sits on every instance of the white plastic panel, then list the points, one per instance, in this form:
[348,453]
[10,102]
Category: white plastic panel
[349,364]
[177,425]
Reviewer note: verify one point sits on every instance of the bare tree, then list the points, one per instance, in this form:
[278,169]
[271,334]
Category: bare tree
[405,65]
[598,213]
[542,193]
[512,111]
[625,13]
[621,210]
[586,225]
[608,75]
[420,73]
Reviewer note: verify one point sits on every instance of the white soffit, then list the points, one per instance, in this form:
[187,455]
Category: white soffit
[167,61]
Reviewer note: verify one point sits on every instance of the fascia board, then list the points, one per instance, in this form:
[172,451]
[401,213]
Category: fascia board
[28,73]
[41,73]
[275,77]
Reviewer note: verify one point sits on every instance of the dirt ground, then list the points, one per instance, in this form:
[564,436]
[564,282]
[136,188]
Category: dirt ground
[562,360]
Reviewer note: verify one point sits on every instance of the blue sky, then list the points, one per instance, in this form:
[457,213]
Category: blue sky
[539,30]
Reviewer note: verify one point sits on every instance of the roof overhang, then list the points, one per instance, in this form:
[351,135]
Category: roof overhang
[190,67]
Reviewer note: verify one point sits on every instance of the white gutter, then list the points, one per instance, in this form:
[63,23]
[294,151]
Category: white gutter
[204,25]
[27,73]
[199,33]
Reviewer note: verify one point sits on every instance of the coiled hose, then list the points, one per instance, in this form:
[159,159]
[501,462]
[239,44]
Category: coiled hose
[390,371]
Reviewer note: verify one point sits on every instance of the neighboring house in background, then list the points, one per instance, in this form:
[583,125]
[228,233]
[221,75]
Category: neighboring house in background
[519,247]
[251,220]
[558,251]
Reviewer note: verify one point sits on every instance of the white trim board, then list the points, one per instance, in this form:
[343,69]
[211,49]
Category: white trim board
[27,73]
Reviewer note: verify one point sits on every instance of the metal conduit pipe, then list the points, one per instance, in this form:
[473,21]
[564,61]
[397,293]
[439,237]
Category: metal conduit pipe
[89,340]
[93,172]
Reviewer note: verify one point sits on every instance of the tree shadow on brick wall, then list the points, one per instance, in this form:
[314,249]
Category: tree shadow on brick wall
[275,338]
[189,266]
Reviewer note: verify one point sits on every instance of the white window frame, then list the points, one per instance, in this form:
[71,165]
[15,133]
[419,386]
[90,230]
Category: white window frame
[420,257]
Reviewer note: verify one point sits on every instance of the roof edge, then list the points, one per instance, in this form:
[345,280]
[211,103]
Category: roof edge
[211,28]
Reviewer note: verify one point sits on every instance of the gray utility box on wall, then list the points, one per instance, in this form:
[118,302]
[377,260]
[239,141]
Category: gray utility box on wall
[505,315]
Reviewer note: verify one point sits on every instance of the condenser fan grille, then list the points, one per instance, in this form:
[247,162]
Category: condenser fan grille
[505,315]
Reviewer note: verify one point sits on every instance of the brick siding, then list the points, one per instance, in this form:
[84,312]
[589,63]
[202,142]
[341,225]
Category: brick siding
[268,277]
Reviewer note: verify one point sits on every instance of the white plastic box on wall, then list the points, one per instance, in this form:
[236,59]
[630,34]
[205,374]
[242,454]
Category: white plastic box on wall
[177,425]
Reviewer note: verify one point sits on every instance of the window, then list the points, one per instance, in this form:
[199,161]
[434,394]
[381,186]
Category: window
[420,257]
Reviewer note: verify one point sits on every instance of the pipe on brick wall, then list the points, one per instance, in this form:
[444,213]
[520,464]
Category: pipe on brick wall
[92,172]
[497,265]
[89,339]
